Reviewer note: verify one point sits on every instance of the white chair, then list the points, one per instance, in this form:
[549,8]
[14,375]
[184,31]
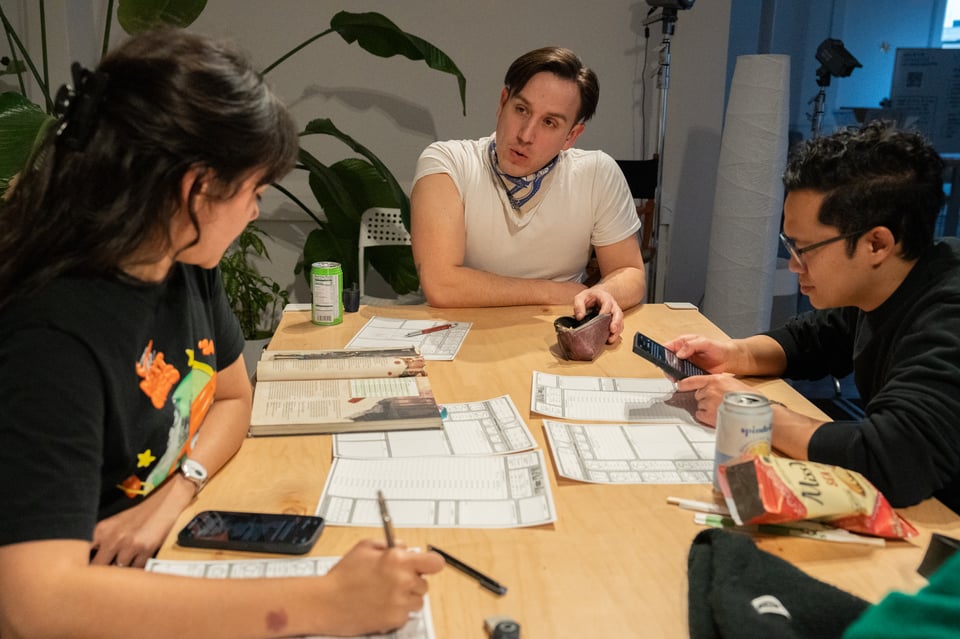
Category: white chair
[380,227]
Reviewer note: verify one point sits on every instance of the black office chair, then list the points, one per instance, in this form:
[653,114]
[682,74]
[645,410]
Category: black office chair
[641,176]
[642,179]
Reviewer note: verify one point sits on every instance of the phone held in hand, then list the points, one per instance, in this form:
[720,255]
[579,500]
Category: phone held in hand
[252,532]
[666,359]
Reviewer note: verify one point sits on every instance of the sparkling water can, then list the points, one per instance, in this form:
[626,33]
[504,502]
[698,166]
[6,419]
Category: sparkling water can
[744,427]
[326,283]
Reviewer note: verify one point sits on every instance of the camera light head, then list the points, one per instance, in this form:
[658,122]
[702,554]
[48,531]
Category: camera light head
[671,4]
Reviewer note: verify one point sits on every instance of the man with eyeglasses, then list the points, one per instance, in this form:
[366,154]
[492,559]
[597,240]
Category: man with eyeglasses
[859,220]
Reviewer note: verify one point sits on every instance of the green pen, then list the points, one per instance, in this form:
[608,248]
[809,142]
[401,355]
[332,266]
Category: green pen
[807,529]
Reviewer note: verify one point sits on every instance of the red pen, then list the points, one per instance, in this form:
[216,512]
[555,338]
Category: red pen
[432,329]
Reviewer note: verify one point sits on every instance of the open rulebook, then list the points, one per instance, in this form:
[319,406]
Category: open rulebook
[316,392]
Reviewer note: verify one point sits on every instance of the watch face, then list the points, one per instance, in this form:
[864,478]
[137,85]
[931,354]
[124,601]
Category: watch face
[194,470]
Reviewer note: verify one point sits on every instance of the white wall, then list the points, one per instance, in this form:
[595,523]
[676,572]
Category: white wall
[396,107]
[695,105]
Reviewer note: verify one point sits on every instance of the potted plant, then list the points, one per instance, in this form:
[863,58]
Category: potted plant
[345,189]
[22,122]
[257,300]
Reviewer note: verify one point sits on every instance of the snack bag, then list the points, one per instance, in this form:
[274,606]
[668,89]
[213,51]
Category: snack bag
[768,489]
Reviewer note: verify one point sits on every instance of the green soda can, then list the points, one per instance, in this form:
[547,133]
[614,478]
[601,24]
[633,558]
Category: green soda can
[326,282]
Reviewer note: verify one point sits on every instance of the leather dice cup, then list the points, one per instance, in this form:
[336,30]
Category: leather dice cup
[583,340]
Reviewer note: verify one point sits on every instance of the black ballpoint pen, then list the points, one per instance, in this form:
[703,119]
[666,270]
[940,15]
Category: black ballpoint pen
[385,517]
[485,581]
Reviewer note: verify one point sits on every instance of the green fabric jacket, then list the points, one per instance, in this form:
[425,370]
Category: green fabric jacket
[932,613]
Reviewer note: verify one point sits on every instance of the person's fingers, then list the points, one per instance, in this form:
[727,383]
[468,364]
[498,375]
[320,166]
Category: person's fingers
[420,587]
[428,563]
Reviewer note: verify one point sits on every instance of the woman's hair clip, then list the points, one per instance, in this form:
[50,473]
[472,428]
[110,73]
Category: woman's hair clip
[77,107]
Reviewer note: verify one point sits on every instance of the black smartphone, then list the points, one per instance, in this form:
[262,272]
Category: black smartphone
[254,532]
[666,359]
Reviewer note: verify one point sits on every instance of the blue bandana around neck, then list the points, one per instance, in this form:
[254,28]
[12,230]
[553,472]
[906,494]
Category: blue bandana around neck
[520,190]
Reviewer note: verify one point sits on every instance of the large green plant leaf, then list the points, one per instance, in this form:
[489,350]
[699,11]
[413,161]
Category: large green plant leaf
[366,184]
[378,35]
[323,126]
[395,264]
[368,189]
[327,187]
[21,123]
[136,16]
[344,190]
[324,246]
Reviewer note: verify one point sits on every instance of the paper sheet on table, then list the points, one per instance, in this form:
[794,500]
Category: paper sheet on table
[420,625]
[492,491]
[381,332]
[667,453]
[488,427]
[610,399]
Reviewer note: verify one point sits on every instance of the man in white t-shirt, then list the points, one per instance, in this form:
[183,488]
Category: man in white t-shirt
[512,219]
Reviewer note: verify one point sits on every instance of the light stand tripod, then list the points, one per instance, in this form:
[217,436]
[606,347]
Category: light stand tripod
[668,16]
[816,120]
[834,60]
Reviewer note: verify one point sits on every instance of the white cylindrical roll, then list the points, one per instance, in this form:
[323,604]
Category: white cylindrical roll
[749,196]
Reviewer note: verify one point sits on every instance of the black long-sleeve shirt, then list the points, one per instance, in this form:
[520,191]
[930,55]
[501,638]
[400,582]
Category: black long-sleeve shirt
[905,356]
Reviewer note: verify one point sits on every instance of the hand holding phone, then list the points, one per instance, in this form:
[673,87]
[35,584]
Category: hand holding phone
[253,532]
[666,359]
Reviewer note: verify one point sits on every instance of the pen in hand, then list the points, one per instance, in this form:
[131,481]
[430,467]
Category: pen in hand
[385,517]
[432,329]
[484,580]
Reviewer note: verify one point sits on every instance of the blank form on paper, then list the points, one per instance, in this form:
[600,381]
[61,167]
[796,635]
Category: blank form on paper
[664,453]
[610,399]
[419,626]
[487,427]
[387,332]
[491,491]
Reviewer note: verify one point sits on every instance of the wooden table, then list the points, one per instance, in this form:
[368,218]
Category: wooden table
[614,563]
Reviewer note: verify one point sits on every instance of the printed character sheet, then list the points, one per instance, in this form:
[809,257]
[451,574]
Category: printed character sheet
[420,625]
[610,399]
[384,332]
[492,491]
[488,427]
[632,453]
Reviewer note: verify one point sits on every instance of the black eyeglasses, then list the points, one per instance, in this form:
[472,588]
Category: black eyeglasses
[797,253]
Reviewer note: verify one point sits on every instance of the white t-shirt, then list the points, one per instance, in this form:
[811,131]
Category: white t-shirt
[586,203]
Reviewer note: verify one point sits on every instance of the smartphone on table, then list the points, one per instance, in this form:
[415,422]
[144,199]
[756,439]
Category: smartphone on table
[666,359]
[253,532]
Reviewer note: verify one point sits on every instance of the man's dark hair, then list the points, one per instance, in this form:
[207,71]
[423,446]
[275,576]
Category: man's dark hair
[872,176]
[564,64]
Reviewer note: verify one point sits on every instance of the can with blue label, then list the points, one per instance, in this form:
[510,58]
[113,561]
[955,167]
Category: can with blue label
[744,427]
[326,283]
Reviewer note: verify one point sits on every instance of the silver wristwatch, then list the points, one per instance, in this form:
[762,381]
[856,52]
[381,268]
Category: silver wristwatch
[195,472]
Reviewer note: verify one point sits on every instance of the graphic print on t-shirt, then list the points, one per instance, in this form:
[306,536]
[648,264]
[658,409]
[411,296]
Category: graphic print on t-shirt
[191,398]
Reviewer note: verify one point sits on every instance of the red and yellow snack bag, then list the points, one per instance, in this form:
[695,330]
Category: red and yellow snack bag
[768,489]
